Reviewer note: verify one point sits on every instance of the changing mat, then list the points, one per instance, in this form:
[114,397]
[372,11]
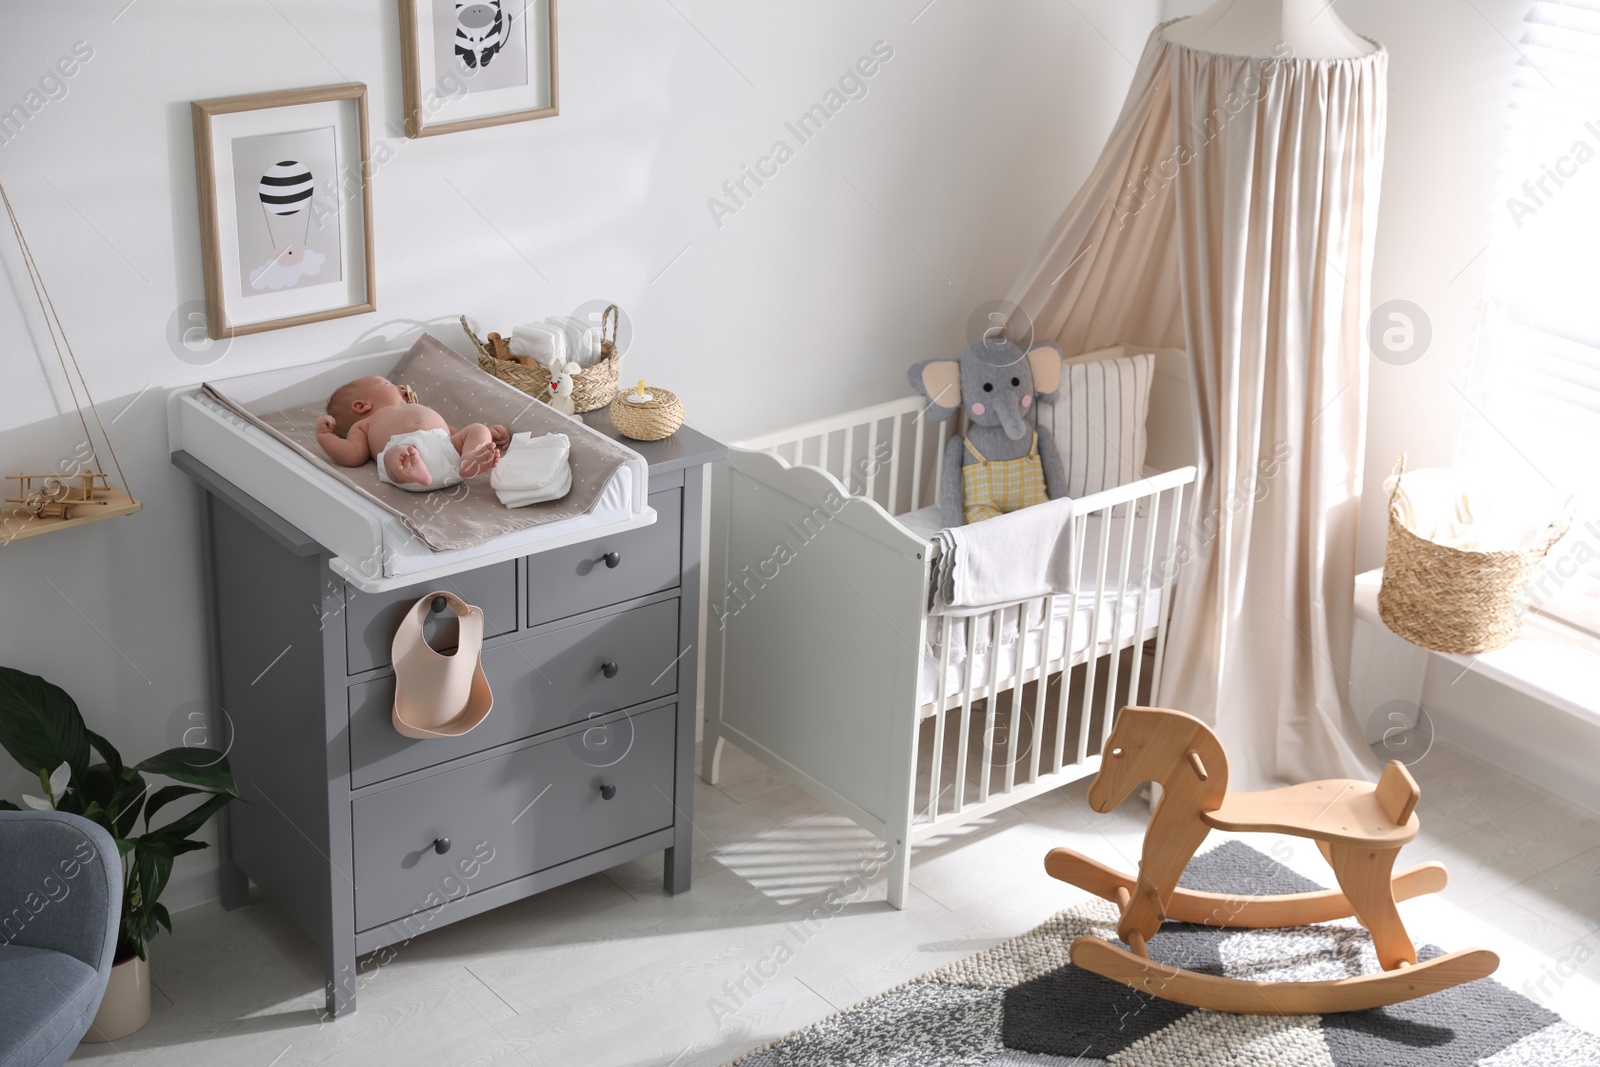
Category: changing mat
[469,514]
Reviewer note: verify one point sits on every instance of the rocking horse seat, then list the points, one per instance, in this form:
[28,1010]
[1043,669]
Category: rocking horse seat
[1338,811]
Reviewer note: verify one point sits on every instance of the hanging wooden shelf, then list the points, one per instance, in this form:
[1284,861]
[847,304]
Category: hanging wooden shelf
[47,502]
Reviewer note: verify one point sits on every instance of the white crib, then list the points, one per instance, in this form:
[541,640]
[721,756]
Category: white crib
[823,662]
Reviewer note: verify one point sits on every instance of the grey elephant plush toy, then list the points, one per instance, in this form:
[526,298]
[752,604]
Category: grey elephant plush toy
[1003,464]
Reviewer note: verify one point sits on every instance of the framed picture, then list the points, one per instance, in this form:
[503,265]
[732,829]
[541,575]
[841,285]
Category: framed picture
[473,63]
[285,208]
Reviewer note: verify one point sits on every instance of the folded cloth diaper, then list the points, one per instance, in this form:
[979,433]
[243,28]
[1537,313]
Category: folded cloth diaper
[438,453]
[534,469]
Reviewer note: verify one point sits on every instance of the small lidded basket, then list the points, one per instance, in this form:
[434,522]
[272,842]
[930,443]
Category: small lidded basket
[649,413]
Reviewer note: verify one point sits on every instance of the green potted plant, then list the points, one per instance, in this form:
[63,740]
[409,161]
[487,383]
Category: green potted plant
[41,728]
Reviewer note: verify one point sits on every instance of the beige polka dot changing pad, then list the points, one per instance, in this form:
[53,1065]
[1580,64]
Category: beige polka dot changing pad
[465,515]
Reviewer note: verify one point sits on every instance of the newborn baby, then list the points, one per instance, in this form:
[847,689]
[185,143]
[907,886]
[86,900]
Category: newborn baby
[416,450]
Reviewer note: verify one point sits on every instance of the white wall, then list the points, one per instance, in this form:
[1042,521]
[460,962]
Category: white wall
[811,299]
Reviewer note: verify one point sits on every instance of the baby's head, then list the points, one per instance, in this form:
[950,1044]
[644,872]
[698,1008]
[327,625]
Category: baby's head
[354,401]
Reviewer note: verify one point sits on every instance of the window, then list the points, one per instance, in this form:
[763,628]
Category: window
[1534,403]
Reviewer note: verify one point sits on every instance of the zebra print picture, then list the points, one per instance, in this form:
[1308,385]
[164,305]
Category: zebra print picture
[287,210]
[480,45]
[467,64]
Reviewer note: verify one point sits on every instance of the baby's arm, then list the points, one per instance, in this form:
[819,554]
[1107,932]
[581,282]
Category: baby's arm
[350,451]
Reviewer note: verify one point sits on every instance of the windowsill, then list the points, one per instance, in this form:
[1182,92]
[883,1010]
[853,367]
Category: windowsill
[1550,661]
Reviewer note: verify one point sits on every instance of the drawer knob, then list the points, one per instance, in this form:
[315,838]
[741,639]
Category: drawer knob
[439,604]
[441,845]
[609,669]
[612,559]
[607,792]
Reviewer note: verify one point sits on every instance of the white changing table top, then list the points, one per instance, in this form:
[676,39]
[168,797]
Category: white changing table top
[372,550]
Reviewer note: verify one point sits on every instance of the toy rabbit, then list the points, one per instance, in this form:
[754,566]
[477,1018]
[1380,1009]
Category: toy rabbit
[561,376]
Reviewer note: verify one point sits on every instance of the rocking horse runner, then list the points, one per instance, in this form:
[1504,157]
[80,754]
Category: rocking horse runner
[1359,828]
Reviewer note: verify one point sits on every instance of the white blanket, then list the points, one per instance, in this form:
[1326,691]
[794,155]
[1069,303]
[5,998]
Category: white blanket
[1003,560]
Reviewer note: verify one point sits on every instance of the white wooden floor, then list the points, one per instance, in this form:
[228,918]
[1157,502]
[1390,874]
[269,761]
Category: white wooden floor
[608,971]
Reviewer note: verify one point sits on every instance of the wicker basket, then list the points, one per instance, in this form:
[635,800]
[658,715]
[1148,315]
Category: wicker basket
[1451,599]
[592,387]
[652,420]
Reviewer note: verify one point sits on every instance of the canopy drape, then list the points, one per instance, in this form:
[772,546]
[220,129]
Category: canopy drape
[1232,214]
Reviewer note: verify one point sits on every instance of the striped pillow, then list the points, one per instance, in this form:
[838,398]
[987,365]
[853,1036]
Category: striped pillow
[1099,422]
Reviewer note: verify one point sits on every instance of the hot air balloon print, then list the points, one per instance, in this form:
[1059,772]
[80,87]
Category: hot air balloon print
[286,190]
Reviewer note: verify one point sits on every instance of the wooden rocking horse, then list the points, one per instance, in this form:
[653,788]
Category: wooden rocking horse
[1358,826]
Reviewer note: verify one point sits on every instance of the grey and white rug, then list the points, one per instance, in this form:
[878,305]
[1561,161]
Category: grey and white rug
[1023,1003]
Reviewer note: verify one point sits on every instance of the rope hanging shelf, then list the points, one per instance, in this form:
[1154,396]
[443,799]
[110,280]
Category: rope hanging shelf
[78,494]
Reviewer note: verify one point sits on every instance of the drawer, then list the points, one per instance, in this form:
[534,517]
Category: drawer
[540,683]
[567,581]
[508,817]
[370,619]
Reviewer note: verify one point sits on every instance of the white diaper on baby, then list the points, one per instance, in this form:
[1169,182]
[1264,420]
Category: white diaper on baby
[533,470]
[438,454]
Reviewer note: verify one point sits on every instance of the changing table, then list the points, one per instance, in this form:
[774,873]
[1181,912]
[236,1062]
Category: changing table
[365,838]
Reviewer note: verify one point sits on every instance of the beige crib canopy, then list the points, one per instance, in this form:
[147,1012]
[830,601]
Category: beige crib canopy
[1231,214]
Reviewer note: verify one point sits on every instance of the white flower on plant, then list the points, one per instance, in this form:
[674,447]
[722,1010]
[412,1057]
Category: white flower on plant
[54,787]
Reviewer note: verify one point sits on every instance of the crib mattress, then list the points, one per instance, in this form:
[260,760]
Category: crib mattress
[1117,629]
[372,548]
[1132,622]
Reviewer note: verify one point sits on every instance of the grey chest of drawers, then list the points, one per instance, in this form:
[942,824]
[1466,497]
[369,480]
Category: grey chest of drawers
[365,838]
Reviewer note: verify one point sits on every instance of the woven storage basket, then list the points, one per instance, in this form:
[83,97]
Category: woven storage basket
[651,421]
[1452,599]
[592,387]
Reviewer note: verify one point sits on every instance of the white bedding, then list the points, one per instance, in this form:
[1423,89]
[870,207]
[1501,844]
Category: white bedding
[925,523]
[1131,623]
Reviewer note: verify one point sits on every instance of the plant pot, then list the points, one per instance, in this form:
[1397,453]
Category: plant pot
[126,1005]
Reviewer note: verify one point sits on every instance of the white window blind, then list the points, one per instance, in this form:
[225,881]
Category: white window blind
[1534,410]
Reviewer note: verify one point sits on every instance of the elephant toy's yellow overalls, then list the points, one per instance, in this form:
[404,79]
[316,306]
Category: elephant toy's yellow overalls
[994,487]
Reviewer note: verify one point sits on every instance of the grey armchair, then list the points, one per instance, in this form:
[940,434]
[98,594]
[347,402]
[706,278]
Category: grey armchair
[60,904]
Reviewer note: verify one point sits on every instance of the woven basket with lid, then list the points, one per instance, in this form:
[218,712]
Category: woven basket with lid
[592,387]
[1452,599]
[656,418]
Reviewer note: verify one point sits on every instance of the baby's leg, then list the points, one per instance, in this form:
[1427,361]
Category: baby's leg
[405,467]
[476,446]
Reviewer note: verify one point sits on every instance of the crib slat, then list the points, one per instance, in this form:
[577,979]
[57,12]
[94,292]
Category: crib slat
[1146,568]
[1080,525]
[939,707]
[1118,616]
[1040,687]
[965,728]
[847,467]
[1020,669]
[990,699]
[869,472]
[1165,616]
[1094,641]
[916,464]
[824,438]
[894,464]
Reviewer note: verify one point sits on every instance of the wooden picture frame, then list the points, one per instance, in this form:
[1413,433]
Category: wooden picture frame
[285,197]
[448,88]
